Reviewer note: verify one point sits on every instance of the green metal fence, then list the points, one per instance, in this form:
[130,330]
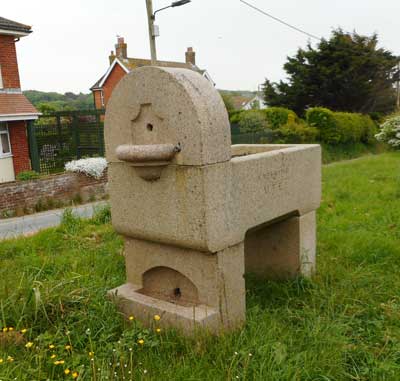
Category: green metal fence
[252,138]
[239,137]
[57,138]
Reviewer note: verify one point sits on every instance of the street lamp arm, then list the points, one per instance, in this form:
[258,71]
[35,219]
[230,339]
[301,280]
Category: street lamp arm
[180,2]
[159,10]
[173,5]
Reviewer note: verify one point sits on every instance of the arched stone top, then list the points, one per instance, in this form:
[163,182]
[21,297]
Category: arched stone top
[155,106]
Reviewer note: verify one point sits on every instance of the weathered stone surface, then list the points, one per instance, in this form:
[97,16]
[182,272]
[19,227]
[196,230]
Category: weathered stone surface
[216,285]
[282,249]
[194,223]
[169,106]
[144,308]
[211,207]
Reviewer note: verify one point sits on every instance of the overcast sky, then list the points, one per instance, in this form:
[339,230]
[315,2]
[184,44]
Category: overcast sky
[71,40]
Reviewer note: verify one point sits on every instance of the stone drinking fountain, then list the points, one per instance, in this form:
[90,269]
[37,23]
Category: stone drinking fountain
[197,213]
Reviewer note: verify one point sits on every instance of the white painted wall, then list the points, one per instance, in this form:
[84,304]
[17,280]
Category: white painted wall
[6,169]
[257,98]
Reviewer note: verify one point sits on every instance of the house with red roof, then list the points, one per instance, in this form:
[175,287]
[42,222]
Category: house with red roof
[121,64]
[15,110]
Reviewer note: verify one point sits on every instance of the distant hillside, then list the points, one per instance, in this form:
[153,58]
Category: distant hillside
[51,101]
[241,93]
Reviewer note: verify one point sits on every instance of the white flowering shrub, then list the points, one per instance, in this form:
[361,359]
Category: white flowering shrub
[390,132]
[94,166]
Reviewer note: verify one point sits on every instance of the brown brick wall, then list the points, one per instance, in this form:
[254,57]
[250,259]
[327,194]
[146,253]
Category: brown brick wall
[19,146]
[8,62]
[115,76]
[19,197]
[97,99]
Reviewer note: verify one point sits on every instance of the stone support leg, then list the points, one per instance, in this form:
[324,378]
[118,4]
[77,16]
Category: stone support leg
[187,288]
[282,250]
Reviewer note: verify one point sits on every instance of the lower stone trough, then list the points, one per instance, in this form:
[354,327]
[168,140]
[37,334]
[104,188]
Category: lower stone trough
[197,213]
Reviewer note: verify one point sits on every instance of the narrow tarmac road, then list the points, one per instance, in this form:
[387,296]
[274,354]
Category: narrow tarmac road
[26,225]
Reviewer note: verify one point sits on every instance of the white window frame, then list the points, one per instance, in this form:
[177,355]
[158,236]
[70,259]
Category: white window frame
[102,97]
[6,132]
[1,80]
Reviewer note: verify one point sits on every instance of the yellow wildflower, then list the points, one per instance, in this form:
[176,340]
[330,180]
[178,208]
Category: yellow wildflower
[24,330]
[10,329]
[141,341]
[1,361]
[131,318]
[75,375]
[29,344]
[158,330]
[67,371]
[51,346]
[59,362]
[5,329]
[157,317]
[10,359]
[91,354]
[68,347]
[53,356]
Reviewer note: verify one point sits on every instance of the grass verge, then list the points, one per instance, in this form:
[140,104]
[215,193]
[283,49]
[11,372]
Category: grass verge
[340,152]
[341,325]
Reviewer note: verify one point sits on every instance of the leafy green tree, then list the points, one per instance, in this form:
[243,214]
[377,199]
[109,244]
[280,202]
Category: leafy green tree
[60,102]
[255,105]
[348,72]
[46,107]
[228,102]
[252,121]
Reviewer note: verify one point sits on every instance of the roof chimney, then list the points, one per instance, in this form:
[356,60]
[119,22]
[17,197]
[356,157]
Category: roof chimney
[121,48]
[190,56]
[111,57]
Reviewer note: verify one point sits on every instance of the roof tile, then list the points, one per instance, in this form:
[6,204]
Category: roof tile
[14,26]
[134,63]
[14,104]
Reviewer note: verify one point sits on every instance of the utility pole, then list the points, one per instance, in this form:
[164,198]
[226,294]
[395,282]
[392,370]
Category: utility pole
[398,86]
[154,31]
[152,34]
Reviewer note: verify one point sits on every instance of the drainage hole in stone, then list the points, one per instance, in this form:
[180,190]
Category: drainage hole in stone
[149,127]
[177,292]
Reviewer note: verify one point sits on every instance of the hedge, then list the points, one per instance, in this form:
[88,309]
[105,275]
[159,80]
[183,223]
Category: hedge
[276,117]
[279,116]
[341,127]
[234,116]
[322,124]
[370,130]
[295,133]
[324,120]
[253,121]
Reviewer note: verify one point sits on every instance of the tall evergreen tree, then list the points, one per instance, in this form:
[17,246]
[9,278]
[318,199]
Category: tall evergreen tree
[348,72]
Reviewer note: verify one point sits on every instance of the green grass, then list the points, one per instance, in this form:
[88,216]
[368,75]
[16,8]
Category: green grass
[344,324]
[333,153]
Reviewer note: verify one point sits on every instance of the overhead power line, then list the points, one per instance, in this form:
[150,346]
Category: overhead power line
[281,21]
